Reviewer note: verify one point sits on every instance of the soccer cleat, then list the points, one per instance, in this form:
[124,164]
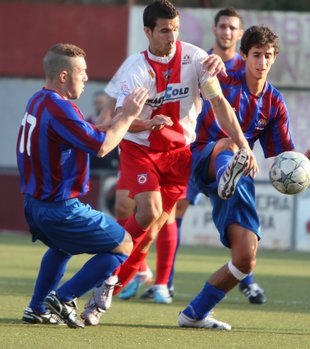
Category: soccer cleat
[133,286]
[48,318]
[65,310]
[92,313]
[162,295]
[254,293]
[207,322]
[233,172]
[103,294]
[148,294]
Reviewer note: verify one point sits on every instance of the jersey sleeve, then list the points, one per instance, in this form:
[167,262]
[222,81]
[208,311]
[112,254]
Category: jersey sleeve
[71,126]
[276,138]
[113,87]
[131,78]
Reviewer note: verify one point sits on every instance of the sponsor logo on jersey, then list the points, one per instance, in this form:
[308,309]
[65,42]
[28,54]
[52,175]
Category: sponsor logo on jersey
[142,178]
[186,59]
[171,94]
[261,124]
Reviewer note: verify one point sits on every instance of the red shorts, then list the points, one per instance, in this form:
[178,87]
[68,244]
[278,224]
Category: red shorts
[143,169]
[121,183]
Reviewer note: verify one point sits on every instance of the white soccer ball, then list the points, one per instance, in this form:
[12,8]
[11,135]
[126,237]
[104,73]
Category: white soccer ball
[290,172]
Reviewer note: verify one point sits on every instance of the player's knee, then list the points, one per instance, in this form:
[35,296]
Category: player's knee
[126,246]
[246,264]
[148,217]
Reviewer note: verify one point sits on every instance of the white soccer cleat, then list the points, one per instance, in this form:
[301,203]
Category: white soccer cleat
[103,294]
[161,294]
[233,172]
[208,322]
[92,313]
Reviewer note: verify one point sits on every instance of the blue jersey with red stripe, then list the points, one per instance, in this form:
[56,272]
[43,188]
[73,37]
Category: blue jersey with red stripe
[236,63]
[263,117]
[52,148]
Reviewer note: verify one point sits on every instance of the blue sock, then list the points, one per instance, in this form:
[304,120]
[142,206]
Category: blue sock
[171,276]
[204,302]
[52,269]
[221,161]
[249,279]
[93,272]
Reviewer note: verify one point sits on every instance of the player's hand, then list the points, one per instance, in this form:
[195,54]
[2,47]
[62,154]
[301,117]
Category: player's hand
[158,122]
[307,153]
[252,168]
[135,101]
[214,64]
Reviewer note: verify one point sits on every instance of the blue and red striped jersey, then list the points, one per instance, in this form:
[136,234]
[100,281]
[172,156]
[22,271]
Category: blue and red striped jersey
[264,118]
[236,63]
[53,147]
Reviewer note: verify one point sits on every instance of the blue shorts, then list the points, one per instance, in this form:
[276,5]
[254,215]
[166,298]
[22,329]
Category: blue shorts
[72,226]
[240,208]
[192,191]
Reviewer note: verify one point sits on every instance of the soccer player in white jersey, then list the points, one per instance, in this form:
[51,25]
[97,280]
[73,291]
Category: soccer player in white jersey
[157,162]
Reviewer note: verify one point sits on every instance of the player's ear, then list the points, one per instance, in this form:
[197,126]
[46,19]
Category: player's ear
[63,76]
[148,32]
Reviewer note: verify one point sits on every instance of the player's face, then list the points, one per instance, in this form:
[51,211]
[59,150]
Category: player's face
[163,38]
[259,61]
[75,82]
[227,32]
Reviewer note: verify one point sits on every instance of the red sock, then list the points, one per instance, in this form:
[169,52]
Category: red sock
[143,266]
[134,229]
[166,245]
[129,268]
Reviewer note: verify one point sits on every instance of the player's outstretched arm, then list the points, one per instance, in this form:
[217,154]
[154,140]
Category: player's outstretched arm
[131,109]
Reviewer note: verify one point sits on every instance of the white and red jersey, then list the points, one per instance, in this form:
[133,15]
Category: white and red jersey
[173,83]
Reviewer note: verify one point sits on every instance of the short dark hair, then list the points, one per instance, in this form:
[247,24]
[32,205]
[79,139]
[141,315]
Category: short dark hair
[59,57]
[228,12]
[259,36]
[158,9]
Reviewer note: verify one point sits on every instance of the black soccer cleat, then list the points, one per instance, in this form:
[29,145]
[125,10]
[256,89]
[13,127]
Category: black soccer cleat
[67,311]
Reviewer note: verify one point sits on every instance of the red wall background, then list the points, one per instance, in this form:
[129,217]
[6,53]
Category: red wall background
[28,30]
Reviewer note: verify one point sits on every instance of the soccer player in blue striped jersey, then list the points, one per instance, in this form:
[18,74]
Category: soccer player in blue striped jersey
[227,30]
[53,148]
[218,167]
